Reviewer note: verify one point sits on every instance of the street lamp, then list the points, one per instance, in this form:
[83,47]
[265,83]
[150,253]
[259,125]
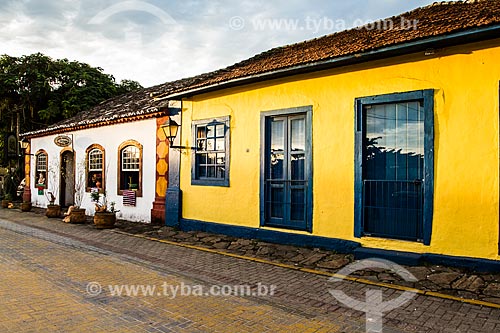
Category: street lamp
[24,144]
[170,128]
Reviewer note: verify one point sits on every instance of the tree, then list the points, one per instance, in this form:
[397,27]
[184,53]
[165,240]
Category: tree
[36,91]
[126,86]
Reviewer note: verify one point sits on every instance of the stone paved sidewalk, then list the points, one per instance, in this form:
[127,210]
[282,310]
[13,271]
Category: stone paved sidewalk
[447,280]
[298,290]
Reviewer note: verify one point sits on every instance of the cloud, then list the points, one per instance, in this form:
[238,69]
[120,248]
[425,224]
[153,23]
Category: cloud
[138,44]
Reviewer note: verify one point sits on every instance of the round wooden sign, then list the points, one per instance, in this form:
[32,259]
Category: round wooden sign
[62,140]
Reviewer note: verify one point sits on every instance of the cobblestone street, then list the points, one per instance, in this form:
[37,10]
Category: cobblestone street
[44,289]
[47,266]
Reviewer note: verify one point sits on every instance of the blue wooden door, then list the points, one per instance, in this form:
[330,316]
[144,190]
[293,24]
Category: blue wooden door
[286,181]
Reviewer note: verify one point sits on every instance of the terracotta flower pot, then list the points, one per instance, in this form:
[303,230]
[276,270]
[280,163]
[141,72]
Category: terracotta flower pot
[53,211]
[77,216]
[104,220]
[5,203]
[25,206]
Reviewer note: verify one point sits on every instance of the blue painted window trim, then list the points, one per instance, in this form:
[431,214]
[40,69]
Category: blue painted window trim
[206,181]
[427,98]
[307,110]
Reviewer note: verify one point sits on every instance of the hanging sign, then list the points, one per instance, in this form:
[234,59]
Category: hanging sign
[62,140]
[11,146]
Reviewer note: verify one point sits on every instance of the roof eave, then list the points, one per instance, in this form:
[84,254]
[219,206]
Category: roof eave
[85,125]
[453,39]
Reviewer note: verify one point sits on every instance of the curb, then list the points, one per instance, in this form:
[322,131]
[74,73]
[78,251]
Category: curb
[313,271]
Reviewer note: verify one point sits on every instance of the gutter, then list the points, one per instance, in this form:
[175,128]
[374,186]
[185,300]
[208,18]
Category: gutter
[463,37]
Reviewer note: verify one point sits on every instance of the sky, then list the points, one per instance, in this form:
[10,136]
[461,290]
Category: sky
[154,41]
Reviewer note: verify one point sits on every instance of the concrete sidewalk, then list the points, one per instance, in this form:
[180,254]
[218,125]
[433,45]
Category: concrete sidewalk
[298,291]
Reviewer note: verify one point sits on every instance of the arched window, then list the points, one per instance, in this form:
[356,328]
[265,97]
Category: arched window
[41,169]
[130,167]
[95,170]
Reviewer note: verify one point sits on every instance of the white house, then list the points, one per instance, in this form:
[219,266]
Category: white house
[116,148]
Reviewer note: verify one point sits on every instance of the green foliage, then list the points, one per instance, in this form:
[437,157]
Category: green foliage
[36,90]
[95,196]
[126,86]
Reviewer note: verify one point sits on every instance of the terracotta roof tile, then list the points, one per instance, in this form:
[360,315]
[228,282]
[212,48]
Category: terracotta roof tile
[438,19]
[133,105]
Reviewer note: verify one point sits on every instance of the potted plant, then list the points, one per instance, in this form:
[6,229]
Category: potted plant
[95,196]
[104,217]
[26,206]
[76,214]
[53,210]
[7,199]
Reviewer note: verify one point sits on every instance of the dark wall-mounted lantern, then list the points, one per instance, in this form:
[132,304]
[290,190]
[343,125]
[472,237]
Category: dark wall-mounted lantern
[24,144]
[171,128]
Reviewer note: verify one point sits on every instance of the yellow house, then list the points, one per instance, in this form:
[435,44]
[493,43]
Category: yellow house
[382,140]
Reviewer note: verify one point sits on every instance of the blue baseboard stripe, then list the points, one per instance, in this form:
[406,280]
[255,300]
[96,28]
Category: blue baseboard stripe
[474,264]
[415,259]
[271,236]
[402,258]
[342,246]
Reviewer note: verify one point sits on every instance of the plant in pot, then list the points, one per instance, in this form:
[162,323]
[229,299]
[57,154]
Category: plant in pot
[75,213]
[7,199]
[26,206]
[53,210]
[105,216]
[95,196]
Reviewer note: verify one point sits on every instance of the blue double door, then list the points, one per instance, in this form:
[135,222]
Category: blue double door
[286,168]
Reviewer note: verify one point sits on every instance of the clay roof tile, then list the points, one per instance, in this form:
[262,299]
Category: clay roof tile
[437,19]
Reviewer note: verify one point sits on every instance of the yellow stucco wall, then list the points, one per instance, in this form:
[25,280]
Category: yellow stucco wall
[466,202]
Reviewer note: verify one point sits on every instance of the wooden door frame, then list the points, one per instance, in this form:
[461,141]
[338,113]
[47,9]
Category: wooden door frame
[62,191]
[427,98]
[264,116]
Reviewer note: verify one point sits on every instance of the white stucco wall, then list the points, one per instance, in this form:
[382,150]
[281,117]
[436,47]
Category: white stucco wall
[109,137]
